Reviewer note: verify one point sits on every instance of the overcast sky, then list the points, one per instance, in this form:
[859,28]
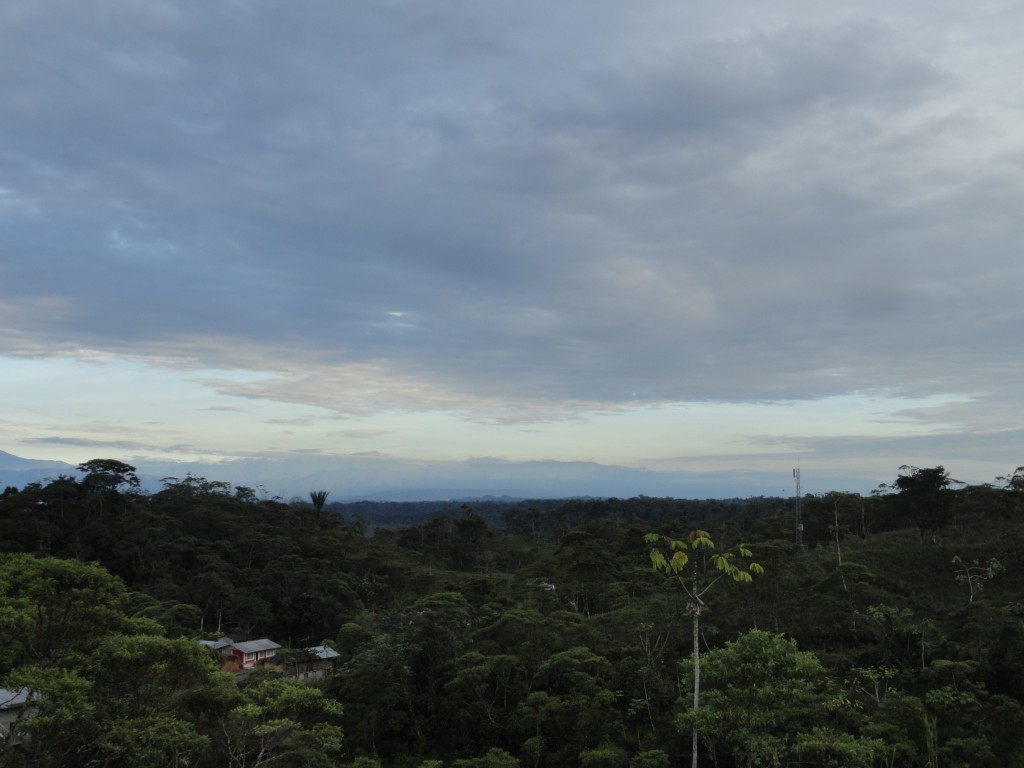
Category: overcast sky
[673,236]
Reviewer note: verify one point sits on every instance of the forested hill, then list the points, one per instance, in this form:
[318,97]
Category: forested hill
[550,516]
[536,633]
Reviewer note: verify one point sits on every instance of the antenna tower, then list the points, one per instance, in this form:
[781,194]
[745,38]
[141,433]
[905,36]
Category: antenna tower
[799,517]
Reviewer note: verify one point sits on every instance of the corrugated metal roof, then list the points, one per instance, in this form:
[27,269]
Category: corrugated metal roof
[252,646]
[12,699]
[323,652]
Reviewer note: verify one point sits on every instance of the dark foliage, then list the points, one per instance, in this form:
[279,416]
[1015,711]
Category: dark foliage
[526,631]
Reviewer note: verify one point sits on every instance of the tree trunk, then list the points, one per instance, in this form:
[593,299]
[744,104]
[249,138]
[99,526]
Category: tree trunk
[839,549]
[695,609]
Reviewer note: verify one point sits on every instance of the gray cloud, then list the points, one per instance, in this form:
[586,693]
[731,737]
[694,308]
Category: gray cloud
[106,445]
[557,208]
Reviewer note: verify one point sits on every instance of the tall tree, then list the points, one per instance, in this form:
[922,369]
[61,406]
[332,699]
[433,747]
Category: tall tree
[766,703]
[106,688]
[53,609]
[103,483]
[924,496]
[108,474]
[697,575]
[319,498]
[281,722]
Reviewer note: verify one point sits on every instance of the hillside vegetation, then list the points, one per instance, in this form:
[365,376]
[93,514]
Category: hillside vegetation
[889,632]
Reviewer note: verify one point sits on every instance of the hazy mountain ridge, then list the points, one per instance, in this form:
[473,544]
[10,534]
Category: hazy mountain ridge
[390,479]
[17,471]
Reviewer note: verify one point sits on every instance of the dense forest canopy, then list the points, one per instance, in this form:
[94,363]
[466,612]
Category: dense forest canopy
[499,633]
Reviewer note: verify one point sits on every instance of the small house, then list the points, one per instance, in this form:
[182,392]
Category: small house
[313,663]
[243,655]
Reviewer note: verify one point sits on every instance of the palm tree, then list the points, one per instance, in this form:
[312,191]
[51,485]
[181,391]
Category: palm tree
[319,498]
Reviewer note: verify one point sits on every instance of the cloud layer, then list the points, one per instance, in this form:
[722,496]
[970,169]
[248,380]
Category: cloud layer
[520,212]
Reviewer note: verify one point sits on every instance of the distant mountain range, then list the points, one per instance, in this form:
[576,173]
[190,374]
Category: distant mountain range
[18,472]
[381,478]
